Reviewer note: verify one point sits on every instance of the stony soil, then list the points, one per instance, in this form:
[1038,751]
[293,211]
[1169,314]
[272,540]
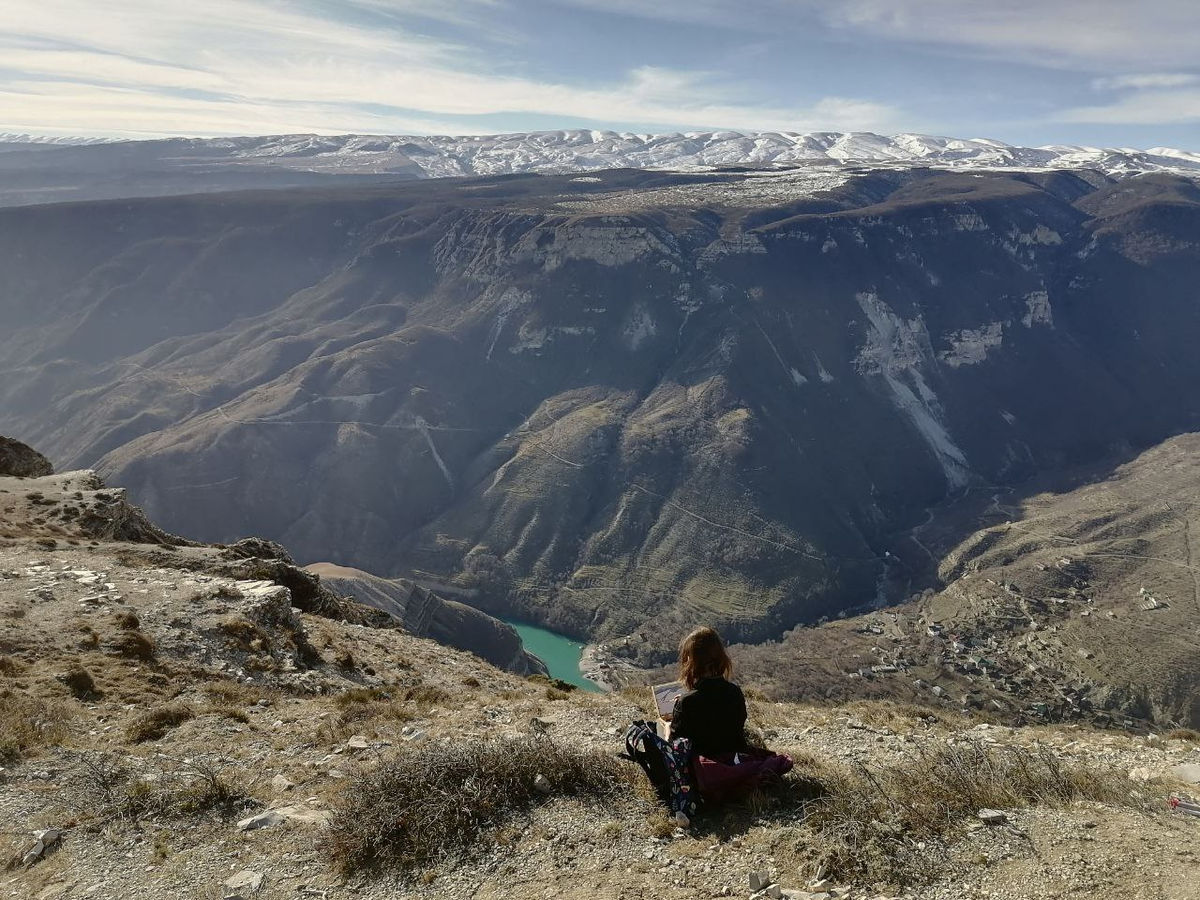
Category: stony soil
[266,688]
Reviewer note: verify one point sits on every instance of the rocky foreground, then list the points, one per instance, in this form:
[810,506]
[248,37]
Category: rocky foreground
[185,721]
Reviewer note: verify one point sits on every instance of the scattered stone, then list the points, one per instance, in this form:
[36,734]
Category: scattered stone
[992,817]
[757,881]
[281,784]
[42,841]
[542,785]
[261,820]
[357,742]
[242,885]
[775,892]
[304,815]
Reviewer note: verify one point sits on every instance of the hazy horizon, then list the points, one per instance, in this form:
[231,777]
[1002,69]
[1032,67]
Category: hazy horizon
[1070,72]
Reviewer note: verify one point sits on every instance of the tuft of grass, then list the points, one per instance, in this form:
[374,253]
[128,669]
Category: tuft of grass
[128,620]
[28,724]
[152,725]
[226,692]
[80,683]
[133,644]
[228,712]
[1185,734]
[244,634]
[865,824]
[429,802]
[10,666]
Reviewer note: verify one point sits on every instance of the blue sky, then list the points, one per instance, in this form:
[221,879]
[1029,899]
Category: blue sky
[1025,71]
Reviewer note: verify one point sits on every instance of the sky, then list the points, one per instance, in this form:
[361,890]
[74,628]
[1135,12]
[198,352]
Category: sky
[1031,72]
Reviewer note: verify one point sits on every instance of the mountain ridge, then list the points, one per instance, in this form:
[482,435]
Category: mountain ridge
[59,168]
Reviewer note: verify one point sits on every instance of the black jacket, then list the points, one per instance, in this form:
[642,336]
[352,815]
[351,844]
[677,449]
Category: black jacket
[713,716]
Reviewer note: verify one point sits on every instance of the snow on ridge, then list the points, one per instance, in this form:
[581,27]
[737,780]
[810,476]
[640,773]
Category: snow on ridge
[7,137]
[585,149]
[580,150]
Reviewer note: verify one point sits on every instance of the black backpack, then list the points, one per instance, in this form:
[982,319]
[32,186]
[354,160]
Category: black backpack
[668,765]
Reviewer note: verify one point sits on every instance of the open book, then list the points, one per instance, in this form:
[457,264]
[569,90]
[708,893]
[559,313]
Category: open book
[665,696]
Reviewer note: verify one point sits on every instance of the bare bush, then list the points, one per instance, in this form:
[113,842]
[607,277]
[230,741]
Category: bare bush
[869,824]
[437,800]
[103,788]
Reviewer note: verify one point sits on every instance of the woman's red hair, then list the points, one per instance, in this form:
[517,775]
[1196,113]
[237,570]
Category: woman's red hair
[702,655]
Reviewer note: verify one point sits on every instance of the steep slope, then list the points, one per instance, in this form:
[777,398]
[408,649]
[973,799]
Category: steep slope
[616,404]
[1082,604]
[425,614]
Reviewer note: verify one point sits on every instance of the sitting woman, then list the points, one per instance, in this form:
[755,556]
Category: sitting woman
[712,716]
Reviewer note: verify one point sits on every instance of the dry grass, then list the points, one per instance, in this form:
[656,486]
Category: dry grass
[866,824]
[1185,734]
[234,693]
[79,682]
[28,724]
[133,644]
[244,634]
[430,802]
[358,709]
[104,789]
[152,725]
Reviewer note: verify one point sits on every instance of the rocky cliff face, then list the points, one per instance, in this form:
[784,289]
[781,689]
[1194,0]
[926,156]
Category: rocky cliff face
[615,404]
[425,614]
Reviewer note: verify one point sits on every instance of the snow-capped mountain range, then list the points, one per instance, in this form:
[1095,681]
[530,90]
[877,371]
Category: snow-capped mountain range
[581,150]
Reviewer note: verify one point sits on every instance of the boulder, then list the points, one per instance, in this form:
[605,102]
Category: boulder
[1188,772]
[22,461]
[992,817]
[242,885]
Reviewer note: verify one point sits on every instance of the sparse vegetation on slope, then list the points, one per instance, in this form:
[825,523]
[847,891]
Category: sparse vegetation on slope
[434,801]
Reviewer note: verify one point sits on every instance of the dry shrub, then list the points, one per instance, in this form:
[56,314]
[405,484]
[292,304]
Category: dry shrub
[104,788]
[28,723]
[1185,734]
[867,823]
[433,801]
[152,725]
[10,666]
[128,620]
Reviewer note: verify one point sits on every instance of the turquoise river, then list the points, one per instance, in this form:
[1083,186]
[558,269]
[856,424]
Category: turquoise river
[559,653]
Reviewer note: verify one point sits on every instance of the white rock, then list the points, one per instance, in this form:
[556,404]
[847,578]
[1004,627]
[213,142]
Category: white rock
[243,884]
[281,785]
[261,820]
[357,742]
[1188,772]
[992,817]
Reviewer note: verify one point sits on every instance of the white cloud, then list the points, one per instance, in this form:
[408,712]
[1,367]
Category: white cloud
[1148,80]
[249,66]
[1084,34]
[1151,107]
[1087,34]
